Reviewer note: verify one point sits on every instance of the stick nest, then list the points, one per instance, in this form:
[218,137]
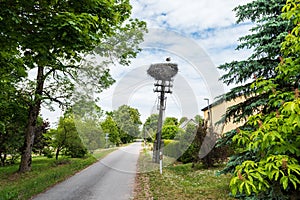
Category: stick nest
[163,71]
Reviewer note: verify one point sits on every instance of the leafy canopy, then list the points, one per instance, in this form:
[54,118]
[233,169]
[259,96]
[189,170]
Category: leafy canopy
[276,138]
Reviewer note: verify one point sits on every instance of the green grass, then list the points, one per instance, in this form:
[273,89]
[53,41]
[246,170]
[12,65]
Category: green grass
[45,173]
[181,181]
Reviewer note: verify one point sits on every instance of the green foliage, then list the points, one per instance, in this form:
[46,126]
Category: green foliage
[172,148]
[91,134]
[42,139]
[265,39]
[202,145]
[110,126]
[169,131]
[170,121]
[150,127]
[13,108]
[128,121]
[275,139]
[182,119]
[198,119]
[66,139]
[266,36]
[187,146]
[50,38]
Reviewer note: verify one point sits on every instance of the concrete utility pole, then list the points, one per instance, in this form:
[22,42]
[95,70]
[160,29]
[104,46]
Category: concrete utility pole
[163,74]
[162,87]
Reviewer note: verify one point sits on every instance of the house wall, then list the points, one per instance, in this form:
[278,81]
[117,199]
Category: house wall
[218,111]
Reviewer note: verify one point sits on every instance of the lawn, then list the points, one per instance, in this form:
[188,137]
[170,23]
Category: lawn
[180,181]
[45,173]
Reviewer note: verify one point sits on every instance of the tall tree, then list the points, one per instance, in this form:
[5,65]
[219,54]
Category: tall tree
[128,121]
[51,37]
[275,140]
[266,36]
[110,126]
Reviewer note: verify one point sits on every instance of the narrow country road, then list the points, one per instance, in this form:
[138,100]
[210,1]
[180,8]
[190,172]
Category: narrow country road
[110,178]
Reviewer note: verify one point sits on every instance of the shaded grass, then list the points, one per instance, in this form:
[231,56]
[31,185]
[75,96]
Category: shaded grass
[181,181]
[44,174]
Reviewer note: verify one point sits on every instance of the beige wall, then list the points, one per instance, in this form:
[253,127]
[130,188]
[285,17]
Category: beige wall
[218,111]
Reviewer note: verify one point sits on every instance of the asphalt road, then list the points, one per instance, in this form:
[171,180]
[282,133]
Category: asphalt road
[110,178]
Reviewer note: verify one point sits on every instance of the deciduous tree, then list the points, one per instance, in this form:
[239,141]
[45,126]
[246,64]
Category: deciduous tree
[51,37]
[110,126]
[128,121]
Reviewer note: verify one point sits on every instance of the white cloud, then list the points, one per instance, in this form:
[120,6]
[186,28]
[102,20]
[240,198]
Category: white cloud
[188,15]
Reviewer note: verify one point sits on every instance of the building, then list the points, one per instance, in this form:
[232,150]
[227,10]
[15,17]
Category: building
[215,111]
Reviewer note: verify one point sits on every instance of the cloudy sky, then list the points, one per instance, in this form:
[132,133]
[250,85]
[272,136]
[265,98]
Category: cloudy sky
[198,36]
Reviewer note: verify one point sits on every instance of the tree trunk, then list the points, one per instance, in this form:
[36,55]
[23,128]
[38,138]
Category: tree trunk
[34,111]
[57,153]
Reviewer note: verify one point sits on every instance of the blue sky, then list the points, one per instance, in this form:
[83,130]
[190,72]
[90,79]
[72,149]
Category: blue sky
[197,35]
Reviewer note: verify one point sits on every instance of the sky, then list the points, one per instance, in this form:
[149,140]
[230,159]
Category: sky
[198,36]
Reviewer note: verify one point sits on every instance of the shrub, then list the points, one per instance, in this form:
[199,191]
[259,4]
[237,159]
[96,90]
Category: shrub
[172,149]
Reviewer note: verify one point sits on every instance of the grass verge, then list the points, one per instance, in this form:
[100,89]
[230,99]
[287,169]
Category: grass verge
[180,181]
[44,174]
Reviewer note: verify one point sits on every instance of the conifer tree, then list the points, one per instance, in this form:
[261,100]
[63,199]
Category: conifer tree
[266,36]
[268,32]
[275,137]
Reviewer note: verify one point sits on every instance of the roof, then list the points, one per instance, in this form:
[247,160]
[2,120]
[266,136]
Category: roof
[186,122]
[218,102]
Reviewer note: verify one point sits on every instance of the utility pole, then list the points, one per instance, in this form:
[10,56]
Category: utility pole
[163,74]
[162,87]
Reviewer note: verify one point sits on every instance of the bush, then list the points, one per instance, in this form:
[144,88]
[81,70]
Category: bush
[76,151]
[169,131]
[172,148]
[167,142]
[48,152]
[187,156]
[216,154]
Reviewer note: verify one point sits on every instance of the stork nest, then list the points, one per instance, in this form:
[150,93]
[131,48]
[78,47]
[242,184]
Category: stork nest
[163,71]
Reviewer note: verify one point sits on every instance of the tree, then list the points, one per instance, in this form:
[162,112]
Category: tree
[183,119]
[90,133]
[186,145]
[169,132]
[51,37]
[198,119]
[110,126]
[275,140]
[87,116]
[66,138]
[41,140]
[267,34]
[265,40]
[170,121]
[128,121]
[13,107]
[150,126]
